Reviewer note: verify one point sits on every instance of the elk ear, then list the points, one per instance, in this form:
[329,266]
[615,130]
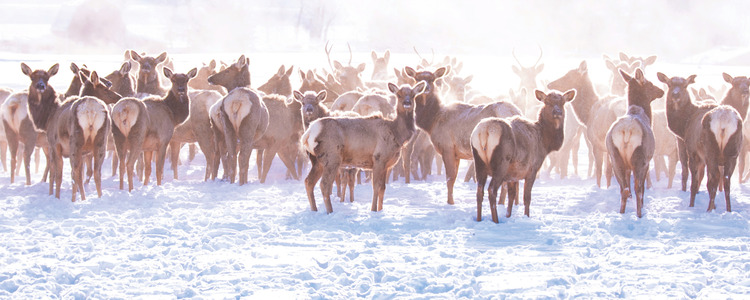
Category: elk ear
[212,64]
[728,78]
[511,93]
[125,68]
[297,95]
[168,72]
[649,61]
[134,55]
[392,87]
[468,79]
[94,78]
[409,71]
[569,95]
[374,56]
[53,69]
[695,92]
[281,71]
[516,70]
[310,76]
[624,57]
[337,65]
[691,79]
[420,87]
[625,76]
[522,93]
[610,65]
[321,96]
[25,69]
[639,75]
[387,55]
[361,67]
[441,72]
[663,78]
[74,68]
[241,62]
[540,95]
[289,71]
[192,73]
[583,68]
[83,78]
[539,68]
[162,57]
[302,75]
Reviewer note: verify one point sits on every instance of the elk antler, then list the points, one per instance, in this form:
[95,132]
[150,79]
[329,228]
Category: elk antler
[350,53]
[328,54]
[541,52]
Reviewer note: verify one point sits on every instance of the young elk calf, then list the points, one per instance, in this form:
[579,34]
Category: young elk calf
[631,144]
[513,149]
[147,126]
[371,142]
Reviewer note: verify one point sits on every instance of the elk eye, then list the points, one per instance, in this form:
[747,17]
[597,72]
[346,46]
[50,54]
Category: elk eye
[507,157]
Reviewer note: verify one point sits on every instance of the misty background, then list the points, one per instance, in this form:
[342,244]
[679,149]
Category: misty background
[675,30]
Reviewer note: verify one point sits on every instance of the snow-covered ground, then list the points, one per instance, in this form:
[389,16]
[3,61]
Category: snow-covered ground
[191,238]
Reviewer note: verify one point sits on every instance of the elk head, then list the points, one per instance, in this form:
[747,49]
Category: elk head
[528,74]
[310,102]
[427,76]
[147,72]
[180,82]
[279,83]
[98,87]
[740,85]
[405,96]
[632,59]
[348,76]
[641,89]
[233,76]
[380,65]
[310,82]
[39,81]
[553,110]
[678,96]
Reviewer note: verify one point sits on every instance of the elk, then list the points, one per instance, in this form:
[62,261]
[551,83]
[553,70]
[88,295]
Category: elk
[515,148]
[73,128]
[197,128]
[641,92]
[75,84]
[380,65]
[234,76]
[594,113]
[239,120]
[645,62]
[4,93]
[721,141]
[149,81]
[312,108]
[284,128]
[618,86]
[738,94]
[346,101]
[528,80]
[122,81]
[18,127]
[200,82]
[666,145]
[450,126]
[631,144]
[684,119]
[371,142]
[147,126]
[279,83]
[349,76]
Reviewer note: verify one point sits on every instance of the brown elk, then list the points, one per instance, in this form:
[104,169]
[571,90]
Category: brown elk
[122,81]
[279,83]
[738,94]
[73,128]
[685,120]
[365,142]
[147,126]
[721,141]
[234,76]
[641,92]
[631,145]
[514,149]
[239,120]
[450,126]
[75,84]
[197,128]
[285,126]
[149,81]
[349,76]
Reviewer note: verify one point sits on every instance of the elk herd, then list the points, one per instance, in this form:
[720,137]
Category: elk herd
[347,129]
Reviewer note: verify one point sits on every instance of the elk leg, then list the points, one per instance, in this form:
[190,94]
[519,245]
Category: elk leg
[268,156]
[326,186]
[147,156]
[244,161]
[728,170]
[470,173]
[481,173]
[316,170]
[174,157]
[76,166]
[451,171]
[512,188]
[13,143]
[598,161]
[351,174]
[3,154]
[683,155]
[697,169]
[99,156]
[259,155]
[712,184]
[528,183]
[672,168]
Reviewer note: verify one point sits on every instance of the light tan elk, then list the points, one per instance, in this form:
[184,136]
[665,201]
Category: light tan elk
[197,128]
[147,126]
[74,127]
[666,145]
[528,81]
[4,94]
[365,142]
[380,65]
[450,126]
[631,144]
[18,128]
[514,149]
[200,82]
[349,76]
